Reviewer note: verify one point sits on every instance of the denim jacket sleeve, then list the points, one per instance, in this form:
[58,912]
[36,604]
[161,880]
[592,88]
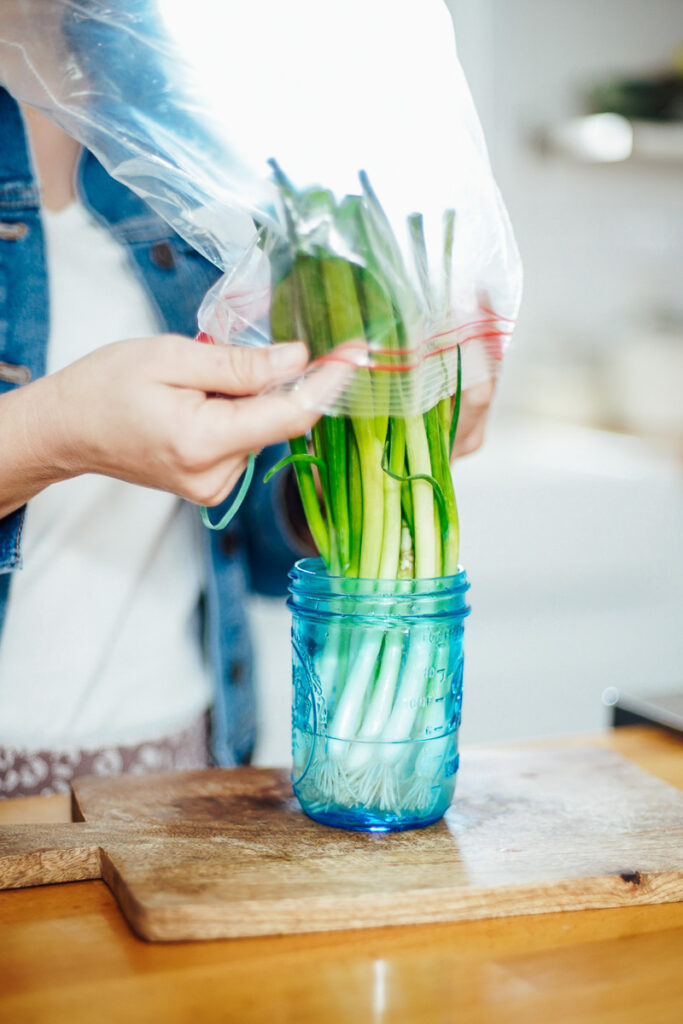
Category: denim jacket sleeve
[271,543]
[262,530]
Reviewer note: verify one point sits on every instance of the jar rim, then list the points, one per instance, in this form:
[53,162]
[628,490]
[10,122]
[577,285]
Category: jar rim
[312,573]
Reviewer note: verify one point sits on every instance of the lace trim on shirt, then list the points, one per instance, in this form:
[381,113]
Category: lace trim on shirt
[43,772]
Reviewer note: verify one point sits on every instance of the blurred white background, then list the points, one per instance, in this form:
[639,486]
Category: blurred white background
[571,514]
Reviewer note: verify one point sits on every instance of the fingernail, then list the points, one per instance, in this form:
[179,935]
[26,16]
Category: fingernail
[327,387]
[287,355]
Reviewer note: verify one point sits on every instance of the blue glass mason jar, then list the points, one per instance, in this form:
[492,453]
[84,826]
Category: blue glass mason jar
[377,695]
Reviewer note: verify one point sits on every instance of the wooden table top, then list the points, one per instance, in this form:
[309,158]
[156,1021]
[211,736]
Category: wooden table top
[66,954]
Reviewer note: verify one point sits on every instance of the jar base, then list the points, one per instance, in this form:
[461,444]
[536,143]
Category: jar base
[375,786]
[369,822]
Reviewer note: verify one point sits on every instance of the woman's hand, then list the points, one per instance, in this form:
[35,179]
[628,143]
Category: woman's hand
[475,404]
[147,411]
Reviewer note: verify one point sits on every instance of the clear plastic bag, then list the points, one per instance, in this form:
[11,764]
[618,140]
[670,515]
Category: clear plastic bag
[187,104]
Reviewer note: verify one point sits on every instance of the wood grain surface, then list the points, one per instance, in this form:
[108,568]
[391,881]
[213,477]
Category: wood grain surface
[228,853]
[68,957]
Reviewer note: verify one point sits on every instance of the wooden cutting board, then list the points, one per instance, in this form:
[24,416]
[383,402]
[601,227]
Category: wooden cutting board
[226,853]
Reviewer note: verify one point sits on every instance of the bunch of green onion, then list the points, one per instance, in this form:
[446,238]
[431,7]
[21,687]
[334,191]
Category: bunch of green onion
[383,505]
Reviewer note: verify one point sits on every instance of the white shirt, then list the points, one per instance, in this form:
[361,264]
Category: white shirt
[100,644]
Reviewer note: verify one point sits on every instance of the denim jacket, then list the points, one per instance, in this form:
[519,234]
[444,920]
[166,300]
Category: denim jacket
[257,548]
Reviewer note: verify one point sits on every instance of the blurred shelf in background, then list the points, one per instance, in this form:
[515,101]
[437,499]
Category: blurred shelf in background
[664,711]
[611,138]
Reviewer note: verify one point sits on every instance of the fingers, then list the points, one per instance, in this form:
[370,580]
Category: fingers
[474,408]
[232,369]
[253,423]
[213,488]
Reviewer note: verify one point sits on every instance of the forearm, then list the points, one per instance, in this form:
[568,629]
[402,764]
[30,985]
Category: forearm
[31,448]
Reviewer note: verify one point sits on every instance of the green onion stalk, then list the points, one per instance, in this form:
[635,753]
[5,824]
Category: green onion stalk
[375,483]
